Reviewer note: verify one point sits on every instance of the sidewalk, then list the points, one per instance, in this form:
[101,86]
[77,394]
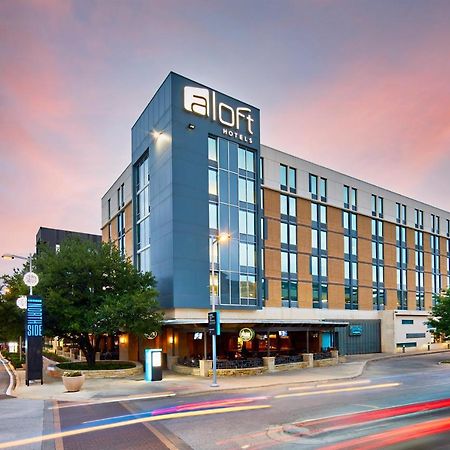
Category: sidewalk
[174,383]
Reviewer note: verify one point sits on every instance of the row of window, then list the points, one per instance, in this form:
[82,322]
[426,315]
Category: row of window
[318,190]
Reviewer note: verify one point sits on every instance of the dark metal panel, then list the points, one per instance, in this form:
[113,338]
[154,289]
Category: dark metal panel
[369,341]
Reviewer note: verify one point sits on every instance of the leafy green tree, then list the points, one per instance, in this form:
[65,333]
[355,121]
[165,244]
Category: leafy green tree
[441,314]
[89,290]
[12,322]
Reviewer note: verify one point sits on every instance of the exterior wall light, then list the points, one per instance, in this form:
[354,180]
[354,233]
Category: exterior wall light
[191,126]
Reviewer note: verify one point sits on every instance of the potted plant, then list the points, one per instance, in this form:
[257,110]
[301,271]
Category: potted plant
[73,381]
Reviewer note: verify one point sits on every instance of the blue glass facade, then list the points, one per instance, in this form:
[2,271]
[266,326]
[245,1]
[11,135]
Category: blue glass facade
[195,154]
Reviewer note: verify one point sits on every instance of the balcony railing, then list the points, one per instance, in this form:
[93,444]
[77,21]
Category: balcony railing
[281,359]
[323,355]
[240,363]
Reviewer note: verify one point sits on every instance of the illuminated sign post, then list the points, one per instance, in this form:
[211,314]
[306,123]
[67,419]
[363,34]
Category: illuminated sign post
[214,323]
[153,364]
[33,335]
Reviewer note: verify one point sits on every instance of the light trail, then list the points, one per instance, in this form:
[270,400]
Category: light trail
[115,399]
[179,408]
[334,391]
[392,437]
[343,383]
[49,437]
[326,424]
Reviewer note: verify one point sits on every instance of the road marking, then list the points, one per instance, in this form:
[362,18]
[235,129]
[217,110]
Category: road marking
[343,383]
[166,441]
[11,378]
[333,391]
[49,437]
[57,426]
[117,399]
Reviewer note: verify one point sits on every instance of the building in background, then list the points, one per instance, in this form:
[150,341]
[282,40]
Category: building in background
[117,213]
[316,259]
[54,237]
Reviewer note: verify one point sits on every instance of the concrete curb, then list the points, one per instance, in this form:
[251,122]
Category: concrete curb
[12,376]
[363,365]
[190,385]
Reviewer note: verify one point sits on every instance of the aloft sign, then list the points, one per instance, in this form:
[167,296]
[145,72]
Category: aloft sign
[237,122]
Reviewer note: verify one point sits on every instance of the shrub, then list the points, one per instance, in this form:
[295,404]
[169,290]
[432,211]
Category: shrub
[55,357]
[99,365]
[14,359]
[77,373]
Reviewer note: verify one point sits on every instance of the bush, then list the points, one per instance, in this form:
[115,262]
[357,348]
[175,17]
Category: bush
[77,373]
[55,357]
[99,365]
[14,359]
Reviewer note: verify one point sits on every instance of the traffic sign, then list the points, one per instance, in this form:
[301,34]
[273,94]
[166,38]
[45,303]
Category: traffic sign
[214,323]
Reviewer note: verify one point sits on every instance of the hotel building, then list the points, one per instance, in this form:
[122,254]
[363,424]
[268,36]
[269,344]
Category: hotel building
[315,259]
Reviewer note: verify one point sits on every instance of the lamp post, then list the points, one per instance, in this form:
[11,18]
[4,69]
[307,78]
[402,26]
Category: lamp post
[25,258]
[29,259]
[216,240]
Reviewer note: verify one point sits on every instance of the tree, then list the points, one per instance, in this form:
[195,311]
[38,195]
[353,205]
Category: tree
[89,290]
[12,321]
[441,314]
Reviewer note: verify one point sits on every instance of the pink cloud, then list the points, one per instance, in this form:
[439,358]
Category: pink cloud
[372,122]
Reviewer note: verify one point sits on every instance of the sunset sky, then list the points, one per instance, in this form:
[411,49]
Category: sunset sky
[362,87]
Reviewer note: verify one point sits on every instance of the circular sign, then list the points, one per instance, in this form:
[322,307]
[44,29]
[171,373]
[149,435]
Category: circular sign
[151,335]
[21,302]
[30,279]
[246,334]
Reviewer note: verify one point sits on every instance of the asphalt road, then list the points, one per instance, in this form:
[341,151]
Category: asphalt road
[399,403]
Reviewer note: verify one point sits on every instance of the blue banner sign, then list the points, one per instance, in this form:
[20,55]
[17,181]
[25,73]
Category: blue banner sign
[33,335]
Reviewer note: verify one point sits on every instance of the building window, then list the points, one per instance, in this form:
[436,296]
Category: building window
[320,295]
[232,210]
[313,186]
[319,259]
[261,169]
[142,195]
[346,196]
[435,224]
[401,213]
[350,260]
[318,213]
[323,189]
[212,149]
[283,177]
[289,294]
[436,285]
[292,180]
[212,185]
[288,179]
[419,274]
[448,227]
[448,263]
[402,266]
[288,208]
[354,202]
[377,206]
[378,291]
[418,218]
[109,208]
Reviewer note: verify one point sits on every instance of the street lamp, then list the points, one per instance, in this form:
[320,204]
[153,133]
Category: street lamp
[26,258]
[215,240]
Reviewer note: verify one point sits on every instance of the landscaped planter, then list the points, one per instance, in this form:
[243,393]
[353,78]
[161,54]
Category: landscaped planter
[73,384]
[115,373]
